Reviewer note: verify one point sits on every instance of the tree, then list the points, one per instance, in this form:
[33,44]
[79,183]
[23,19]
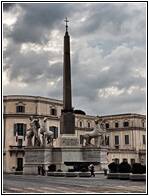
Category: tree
[79,112]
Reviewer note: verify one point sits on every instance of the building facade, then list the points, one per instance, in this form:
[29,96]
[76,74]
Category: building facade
[126,132]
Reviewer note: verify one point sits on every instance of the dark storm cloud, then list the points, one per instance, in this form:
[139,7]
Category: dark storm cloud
[8,6]
[38,20]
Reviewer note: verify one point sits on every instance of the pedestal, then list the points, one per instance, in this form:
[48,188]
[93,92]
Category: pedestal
[35,156]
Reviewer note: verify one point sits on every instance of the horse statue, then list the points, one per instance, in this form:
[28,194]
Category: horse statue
[99,131]
[46,133]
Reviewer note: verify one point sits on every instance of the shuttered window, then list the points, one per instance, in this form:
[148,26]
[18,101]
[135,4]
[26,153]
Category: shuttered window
[81,139]
[144,142]
[126,139]
[54,130]
[116,140]
[20,128]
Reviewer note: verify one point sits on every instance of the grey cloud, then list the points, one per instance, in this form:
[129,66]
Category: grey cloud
[112,35]
[37,21]
[8,6]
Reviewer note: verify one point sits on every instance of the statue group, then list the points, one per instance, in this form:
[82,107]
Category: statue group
[34,130]
[99,131]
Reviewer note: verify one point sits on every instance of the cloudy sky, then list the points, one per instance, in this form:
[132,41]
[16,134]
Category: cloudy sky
[108,53]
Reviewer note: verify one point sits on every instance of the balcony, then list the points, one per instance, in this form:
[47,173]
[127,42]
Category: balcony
[113,150]
[16,150]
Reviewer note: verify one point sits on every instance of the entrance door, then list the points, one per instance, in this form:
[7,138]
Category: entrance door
[20,164]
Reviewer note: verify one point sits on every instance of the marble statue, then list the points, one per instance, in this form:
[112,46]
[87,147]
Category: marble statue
[46,133]
[33,132]
[99,131]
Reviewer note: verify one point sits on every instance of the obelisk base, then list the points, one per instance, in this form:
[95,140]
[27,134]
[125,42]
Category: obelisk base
[68,140]
[67,123]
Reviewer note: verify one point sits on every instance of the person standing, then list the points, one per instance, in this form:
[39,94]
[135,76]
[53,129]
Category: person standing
[39,168]
[91,168]
[43,170]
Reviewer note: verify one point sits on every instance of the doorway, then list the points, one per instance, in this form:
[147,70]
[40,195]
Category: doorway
[20,164]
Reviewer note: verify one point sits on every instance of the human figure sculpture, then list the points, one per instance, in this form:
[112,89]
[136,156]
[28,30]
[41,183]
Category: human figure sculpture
[33,131]
[46,133]
[99,131]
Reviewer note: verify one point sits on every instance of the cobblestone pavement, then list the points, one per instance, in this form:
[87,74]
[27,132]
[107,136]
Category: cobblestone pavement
[52,185]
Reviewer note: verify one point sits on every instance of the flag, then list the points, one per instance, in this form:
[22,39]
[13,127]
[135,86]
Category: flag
[16,136]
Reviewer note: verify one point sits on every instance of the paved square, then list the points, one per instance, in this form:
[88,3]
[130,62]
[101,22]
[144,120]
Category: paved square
[92,185]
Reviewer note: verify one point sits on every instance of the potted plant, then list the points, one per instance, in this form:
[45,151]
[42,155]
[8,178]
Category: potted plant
[124,170]
[113,171]
[59,173]
[138,172]
[84,172]
[51,170]
[71,173]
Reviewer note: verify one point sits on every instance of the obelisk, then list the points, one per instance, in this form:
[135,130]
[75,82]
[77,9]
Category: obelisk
[67,119]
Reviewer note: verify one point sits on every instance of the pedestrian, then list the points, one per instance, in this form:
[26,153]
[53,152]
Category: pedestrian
[39,169]
[43,170]
[91,168]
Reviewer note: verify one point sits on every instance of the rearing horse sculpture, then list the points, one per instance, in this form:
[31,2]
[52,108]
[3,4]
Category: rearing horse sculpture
[99,131]
[46,133]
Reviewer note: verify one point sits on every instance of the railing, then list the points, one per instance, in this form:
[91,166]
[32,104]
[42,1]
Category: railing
[121,150]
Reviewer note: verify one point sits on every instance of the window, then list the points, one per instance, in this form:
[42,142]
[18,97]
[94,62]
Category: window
[53,111]
[20,108]
[126,139]
[81,139]
[36,109]
[54,130]
[80,123]
[132,161]
[116,140]
[124,160]
[142,123]
[4,109]
[19,142]
[116,161]
[107,125]
[107,140]
[144,142]
[88,124]
[20,128]
[20,164]
[125,124]
[116,125]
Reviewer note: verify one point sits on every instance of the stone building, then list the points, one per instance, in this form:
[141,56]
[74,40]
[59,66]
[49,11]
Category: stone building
[126,132]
